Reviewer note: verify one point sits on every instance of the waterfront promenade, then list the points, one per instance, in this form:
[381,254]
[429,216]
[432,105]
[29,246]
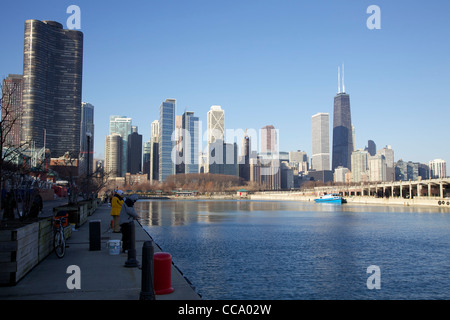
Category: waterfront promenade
[103,276]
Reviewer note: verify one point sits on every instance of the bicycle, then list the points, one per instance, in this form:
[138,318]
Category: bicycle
[59,241]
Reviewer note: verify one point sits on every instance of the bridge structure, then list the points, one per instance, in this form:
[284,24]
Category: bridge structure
[430,188]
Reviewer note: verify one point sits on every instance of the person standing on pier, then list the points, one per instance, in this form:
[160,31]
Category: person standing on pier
[116,205]
[127,215]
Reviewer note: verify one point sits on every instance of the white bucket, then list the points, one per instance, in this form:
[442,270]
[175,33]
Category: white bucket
[114,247]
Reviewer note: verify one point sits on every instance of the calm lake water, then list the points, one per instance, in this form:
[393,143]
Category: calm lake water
[277,250]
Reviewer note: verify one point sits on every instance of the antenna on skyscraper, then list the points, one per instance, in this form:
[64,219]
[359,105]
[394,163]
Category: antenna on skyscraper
[343,84]
[339,80]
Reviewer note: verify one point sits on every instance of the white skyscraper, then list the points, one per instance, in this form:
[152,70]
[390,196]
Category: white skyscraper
[388,154]
[215,124]
[113,155]
[377,168]
[215,130]
[321,142]
[360,165]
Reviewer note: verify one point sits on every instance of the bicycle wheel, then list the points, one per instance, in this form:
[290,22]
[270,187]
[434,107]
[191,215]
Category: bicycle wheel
[59,243]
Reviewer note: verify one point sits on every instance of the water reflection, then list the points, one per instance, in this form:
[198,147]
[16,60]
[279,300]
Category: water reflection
[301,250]
[182,212]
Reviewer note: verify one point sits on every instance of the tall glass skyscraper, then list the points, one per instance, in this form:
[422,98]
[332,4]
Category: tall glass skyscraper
[166,145]
[87,138]
[122,126]
[190,142]
[342,129]
[52,75]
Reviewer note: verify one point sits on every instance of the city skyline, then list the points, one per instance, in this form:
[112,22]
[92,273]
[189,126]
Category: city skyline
[397,91]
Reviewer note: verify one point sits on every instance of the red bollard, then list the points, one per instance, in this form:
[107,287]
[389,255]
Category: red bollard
[162,273]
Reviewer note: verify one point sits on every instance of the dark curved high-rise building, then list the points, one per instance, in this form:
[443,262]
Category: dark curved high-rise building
[52,75]
[342,130]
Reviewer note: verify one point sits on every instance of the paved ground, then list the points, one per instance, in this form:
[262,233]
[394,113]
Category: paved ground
[103,276]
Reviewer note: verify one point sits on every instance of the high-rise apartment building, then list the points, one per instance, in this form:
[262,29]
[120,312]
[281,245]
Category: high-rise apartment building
[377,168]
[360,165]
[388,154]
[113,155]
[438,168]
[122,126]
[320,142]
[342,129]
[12,110]
[191,135]
[52,83]
[167,112]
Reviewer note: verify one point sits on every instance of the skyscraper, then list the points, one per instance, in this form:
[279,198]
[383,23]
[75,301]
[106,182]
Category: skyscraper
[215,124]
[87,137]
[388,154]
[360,165]
[134,153]
[377,168]
[12,110]
[438,168]
[52,75]
[167,112]
[154,151]
[269,139]
[342,128]
[320,142]
[215,130]
[371,148]
[190,142]
[113,155]
[122,126]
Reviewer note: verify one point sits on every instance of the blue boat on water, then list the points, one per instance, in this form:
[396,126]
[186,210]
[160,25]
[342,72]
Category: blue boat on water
[330,198]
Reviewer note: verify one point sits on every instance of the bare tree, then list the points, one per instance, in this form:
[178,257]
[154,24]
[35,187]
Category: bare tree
[19,164]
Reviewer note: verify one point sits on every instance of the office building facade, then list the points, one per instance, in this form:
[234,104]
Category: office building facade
[134,152]
[320,142]
[191,135]
[167,112]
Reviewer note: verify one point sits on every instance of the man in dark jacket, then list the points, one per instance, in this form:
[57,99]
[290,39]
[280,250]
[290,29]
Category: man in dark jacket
[127,214]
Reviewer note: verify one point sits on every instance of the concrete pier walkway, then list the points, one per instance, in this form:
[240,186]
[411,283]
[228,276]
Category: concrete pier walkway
[103,276]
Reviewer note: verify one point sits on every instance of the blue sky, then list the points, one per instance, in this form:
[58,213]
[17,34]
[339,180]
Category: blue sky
[265,62]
